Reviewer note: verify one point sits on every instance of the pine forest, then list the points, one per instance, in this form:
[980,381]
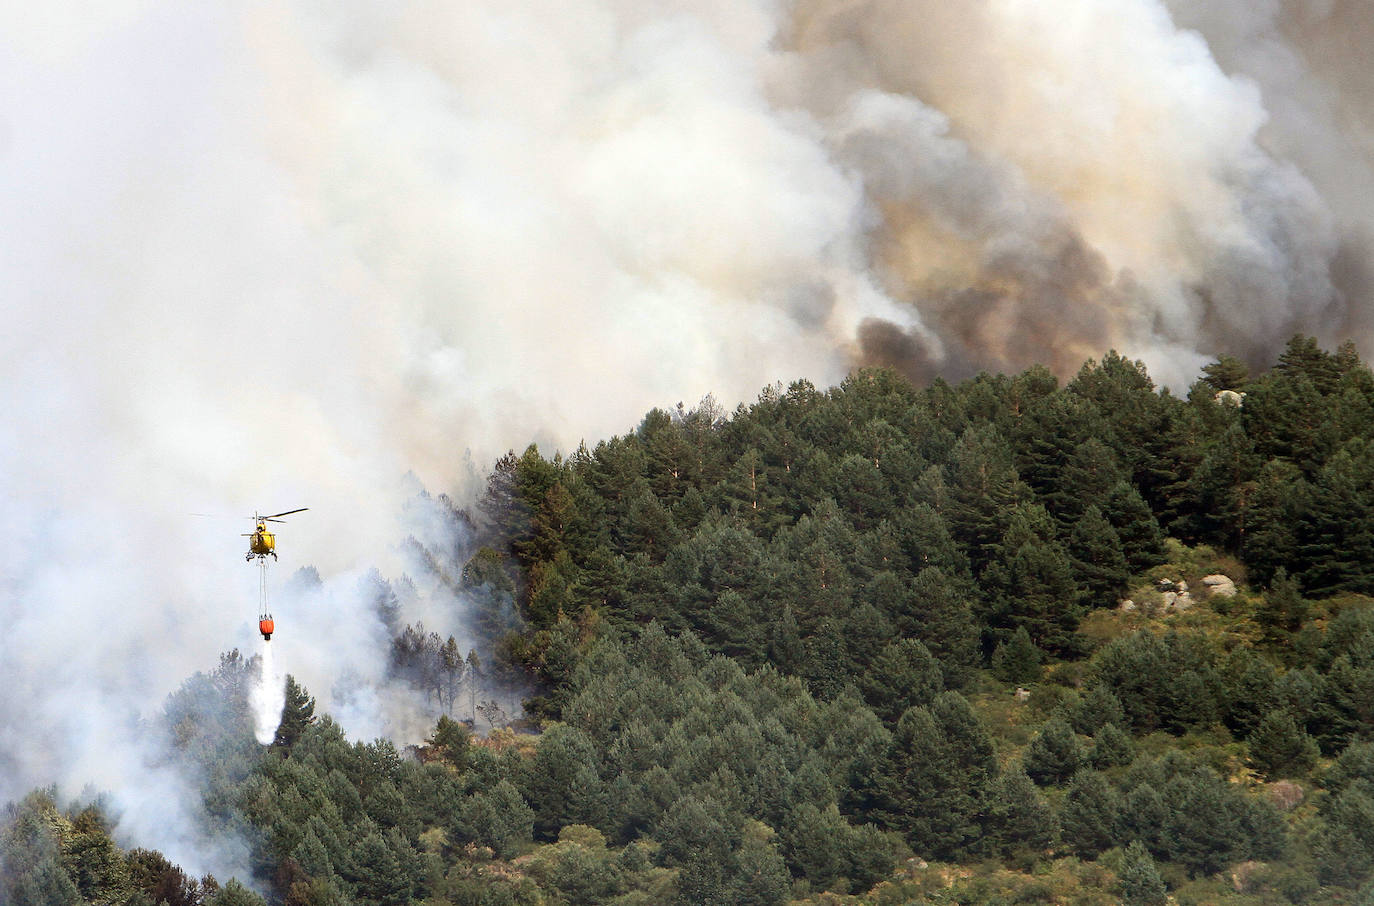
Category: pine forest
[1007,640]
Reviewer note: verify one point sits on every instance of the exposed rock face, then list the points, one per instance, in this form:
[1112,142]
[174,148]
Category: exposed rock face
[1217,584]
[1285,794]
[1230,398]
[1178,601]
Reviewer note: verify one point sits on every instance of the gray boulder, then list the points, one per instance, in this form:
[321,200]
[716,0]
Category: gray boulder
[1217,584]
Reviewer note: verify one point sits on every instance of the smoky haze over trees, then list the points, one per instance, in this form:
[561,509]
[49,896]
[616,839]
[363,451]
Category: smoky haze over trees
[261,257]
[551,217]
[802,650]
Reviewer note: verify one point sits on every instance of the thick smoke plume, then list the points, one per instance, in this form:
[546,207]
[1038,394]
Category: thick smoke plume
[262,256]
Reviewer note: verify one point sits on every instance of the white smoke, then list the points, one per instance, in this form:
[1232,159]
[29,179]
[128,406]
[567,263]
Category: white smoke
[261,256]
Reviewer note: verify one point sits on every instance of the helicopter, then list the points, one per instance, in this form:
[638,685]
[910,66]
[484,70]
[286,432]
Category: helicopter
[265,542]
[261,543]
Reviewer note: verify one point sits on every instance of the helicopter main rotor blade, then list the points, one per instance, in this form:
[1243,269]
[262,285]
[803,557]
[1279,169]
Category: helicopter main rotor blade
[287,513]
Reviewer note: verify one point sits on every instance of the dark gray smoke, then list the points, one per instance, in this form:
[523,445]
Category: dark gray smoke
[1053,178]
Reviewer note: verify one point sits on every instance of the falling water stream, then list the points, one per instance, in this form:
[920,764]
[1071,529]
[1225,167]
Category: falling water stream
[267,698]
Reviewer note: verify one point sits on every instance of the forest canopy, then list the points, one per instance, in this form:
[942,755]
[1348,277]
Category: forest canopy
[1002,640]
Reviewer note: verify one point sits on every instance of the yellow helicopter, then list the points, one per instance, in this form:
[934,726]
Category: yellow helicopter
[264,542]
[261,543]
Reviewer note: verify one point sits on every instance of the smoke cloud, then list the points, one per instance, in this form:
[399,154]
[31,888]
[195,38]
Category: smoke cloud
[260,256]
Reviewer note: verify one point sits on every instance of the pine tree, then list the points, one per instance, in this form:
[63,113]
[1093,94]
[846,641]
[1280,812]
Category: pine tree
[1111,747]
[297,715]
[1221,487]
[1345,708]
[1055,754]
[316,892]
[235,894]
[1142,817]
[694,833]
[1304,357]
[1142,542]
[861,491]
[31,872]
[1088,479]
[1226,373]
[488,586]
[375,873]
[1095,709]
[1248,688]
[312,856]
[1017,660]
[648,526]
[690,510]
[1019,818]
[1356,762]
[1099,564]
[758,875]
[157,878]
[747,492]
[473,674]
[382,597]
[450,673]
[930,782]
[498,818]
[1089,814]
[1286,417]
[1203,830]
[1141,884]
[1280,748]
[1035,587]
[903,676]
[939,614]
[1046,438]
[925,540]
[1276,505]
[1345,846]
[504,514]
[454,739]
[866,632]
[1336,532]
[812,840]
[970,746]
[736,625]
[561,781]
[824,659]
[983,489]
[785,650]
[92,860]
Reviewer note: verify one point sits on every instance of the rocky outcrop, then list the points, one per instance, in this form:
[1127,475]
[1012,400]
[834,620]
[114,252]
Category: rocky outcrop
[1230,398]
[1177,598]
[1217,584]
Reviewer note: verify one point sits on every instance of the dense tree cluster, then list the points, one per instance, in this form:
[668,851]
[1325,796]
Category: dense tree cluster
[774,653]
